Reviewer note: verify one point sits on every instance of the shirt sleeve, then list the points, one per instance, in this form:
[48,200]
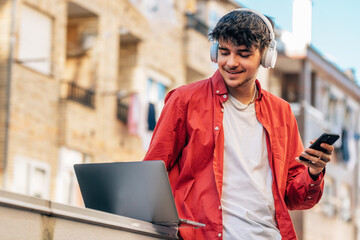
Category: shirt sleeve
[302,192]
[169,135]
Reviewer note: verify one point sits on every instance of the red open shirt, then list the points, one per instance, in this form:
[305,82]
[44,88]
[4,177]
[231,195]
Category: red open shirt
[189,138]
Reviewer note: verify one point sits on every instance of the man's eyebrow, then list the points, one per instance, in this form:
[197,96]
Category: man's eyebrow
[244,50]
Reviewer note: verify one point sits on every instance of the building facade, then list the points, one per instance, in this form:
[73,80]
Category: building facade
[68,72]
[324,99]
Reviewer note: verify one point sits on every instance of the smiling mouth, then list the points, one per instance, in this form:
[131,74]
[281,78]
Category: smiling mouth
[233,72]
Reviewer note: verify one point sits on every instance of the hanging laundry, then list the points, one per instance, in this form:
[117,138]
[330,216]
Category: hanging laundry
[133,114]
[345,146]
[151,117]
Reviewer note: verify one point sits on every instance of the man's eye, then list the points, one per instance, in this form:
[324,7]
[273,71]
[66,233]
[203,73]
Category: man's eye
[245,55]
[224,53]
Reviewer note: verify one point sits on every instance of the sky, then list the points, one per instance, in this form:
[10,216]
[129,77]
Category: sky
[335,27]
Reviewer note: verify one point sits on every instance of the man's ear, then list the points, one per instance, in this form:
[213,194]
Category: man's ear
[261,51]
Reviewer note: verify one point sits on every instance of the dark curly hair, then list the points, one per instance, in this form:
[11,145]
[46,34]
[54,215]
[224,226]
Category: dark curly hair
[242,28]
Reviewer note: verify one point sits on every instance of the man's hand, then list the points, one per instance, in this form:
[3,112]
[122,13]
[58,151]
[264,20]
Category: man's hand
[319,158]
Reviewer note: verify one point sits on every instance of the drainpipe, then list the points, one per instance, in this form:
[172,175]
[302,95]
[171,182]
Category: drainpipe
[8,91]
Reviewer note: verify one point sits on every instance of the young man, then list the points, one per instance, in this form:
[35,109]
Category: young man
[232,148]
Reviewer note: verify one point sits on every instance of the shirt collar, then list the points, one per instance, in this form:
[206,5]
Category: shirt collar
[220,87]
[258,86]
[218,83]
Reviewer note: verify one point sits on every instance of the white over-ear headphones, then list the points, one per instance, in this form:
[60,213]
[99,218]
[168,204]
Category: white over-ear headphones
[268,59]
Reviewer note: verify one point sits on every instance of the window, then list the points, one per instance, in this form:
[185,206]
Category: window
[335,111]
[348,139]
[67,189]
[35,40]
[31,177]
[314,92]
[332,110]
[345,203]
[335,116]
[290,89]
[328,200]
[38,177]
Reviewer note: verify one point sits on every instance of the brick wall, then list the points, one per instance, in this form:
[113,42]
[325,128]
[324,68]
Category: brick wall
[5,17]
[34,119]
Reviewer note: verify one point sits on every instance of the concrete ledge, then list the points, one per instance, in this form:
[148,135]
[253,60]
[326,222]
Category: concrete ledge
[55,221]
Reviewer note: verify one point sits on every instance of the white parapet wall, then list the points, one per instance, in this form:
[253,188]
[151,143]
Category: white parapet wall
[23,217]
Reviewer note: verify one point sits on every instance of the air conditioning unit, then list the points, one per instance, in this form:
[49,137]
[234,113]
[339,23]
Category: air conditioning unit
[88,40]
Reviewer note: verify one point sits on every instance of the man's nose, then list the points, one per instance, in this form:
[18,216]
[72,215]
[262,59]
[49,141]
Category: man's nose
[233,60]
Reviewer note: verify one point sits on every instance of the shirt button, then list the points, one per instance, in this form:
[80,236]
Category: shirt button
[217,91]
[219,235]
[222,110]
[220,207]
[216,128]
[311,185]
[309,197]
[224,96]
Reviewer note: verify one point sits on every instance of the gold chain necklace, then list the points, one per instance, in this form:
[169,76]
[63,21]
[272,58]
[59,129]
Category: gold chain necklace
[246,107]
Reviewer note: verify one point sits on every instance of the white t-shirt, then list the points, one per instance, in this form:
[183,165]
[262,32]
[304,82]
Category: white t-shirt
[247,197]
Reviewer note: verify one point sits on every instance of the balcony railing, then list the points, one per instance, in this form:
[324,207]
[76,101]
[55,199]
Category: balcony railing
[197,24]
[81,95]
[122,110]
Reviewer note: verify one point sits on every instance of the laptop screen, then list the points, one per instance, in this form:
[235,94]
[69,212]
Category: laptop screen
[139,190]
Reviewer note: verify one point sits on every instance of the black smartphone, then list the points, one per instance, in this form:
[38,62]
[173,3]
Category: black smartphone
[324,138]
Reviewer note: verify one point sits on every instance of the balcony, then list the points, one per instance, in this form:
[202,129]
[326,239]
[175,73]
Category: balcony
[197,24]
[122,110]
[197,48]
[81,95]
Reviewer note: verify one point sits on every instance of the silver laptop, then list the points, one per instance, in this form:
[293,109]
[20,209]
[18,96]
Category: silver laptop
[139,190]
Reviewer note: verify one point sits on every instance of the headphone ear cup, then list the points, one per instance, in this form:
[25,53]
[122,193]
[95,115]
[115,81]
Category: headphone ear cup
[269,57]
[214,49]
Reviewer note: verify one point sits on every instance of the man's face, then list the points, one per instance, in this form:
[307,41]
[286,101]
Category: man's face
[238,65]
